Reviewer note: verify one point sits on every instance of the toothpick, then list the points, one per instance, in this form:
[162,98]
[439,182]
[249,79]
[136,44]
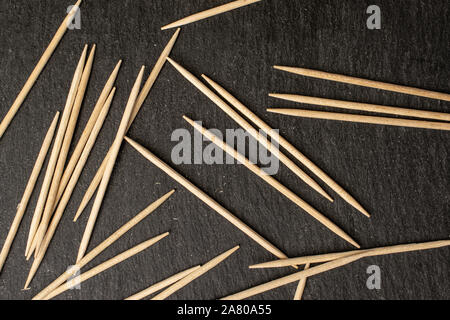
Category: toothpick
[55,154]
[207,200]
[301,286]
[87,130]
[102,246]
[272,182]
[68,136]
[289,147]
[371,252]
[329,266]
[38,69]
[110,165]
[364,107]
[139,103]
[363,119]
[293,278]
[250,129]
[105,266]
[69,190]
[161,285]
[194,275]
[366,83]
[209,13]
[28,191]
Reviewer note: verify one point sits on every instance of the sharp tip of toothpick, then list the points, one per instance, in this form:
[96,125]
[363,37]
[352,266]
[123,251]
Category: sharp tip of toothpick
[26,289]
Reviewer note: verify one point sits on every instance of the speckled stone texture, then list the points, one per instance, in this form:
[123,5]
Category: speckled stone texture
[400,175]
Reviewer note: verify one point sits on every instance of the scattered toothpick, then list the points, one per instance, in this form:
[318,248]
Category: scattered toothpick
[194,275]
[363,119]
[209,13]
[207,200]
[38,69]
[105,266]
[139,103]
[70,188]
[301,286]
[68,136]
[333,256]
[102,246]
[272,182]
[363,107]
[110,165]
[28,191]
[51,167]
[329,266]
[288,146]
[87,130]
[163,284]
[366,83]
[250,129]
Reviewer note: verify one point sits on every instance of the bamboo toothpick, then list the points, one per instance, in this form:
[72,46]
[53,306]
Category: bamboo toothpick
[207,200]
[102,246]
[363,107]
[332,265]
[38,69]
[301,286]
[209,13]
[289,147]
[106,265]
[139,103]
[87,130]
[363,119]
[68,192]
[163,284]
[366,83]
[272,182]
[51,167]
[370,252]
[194,275]
[110,165]
[250,129]
[28,191]
[293,277]
[68,136]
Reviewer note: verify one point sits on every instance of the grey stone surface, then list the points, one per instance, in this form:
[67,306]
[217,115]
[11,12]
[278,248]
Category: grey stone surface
[400,175]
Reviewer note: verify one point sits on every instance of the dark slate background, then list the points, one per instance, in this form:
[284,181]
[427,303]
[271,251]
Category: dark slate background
[400,175]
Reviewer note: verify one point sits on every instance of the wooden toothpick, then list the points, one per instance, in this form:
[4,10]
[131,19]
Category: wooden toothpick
[87,130]
[301,286]
[207,200]
[68,192]
[28,191]
[333,256]
[163,284]
[38,69]
[68,136]
[366,83]
[102,246]
[364,107]
[110,165]
[328,266]
[363,119]
[249,128]
[194,275]
[139,103]
[209,13]
[55,155]
[272,182]
[106,265]
[289,147]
